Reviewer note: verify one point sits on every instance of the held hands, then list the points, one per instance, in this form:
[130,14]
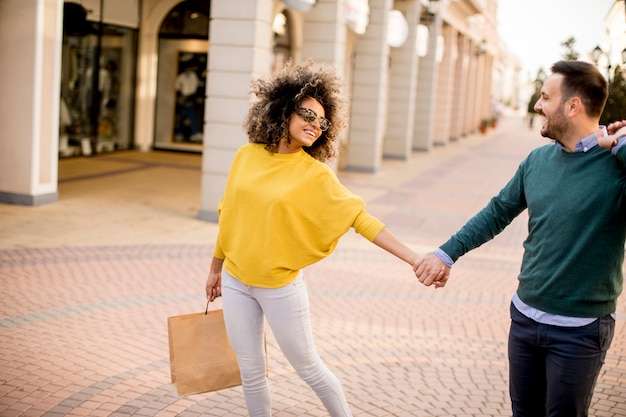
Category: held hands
[429,270]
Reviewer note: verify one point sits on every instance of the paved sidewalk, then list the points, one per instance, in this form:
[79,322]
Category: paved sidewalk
[87,285]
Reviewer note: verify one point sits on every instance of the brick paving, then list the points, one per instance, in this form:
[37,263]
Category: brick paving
[87,285]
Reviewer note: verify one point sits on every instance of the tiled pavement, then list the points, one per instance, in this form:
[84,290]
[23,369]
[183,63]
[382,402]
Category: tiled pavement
[86,286]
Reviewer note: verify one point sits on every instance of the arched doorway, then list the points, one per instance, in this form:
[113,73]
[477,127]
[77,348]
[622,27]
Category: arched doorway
[181,77]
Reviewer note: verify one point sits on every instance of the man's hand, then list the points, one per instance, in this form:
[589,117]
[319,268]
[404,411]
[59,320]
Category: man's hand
[429,270]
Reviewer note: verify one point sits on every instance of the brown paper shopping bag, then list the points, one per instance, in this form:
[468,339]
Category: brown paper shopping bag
[201,358]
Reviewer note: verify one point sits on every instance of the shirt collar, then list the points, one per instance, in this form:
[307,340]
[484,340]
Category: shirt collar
[584,145]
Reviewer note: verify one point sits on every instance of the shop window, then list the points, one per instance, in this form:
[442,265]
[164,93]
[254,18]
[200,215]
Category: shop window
[97,86]
[182,75]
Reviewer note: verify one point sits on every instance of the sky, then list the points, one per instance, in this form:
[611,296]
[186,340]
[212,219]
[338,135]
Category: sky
[534,29]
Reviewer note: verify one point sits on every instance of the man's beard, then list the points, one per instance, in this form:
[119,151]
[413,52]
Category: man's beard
[556,125]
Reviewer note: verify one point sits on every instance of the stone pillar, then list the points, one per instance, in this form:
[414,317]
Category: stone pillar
[487,92]
[368,117]
[324,37]
[472,118]
[427,91]
[445,88]
[480,99]
[324,34]
[403,89]
[459,99]
[241,36]
[30,46]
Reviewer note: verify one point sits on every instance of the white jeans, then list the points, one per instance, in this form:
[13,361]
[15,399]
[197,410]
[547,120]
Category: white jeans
[287,312]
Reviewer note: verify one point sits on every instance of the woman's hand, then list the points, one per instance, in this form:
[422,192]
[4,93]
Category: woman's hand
[615,131]
[214,281]
[615,126]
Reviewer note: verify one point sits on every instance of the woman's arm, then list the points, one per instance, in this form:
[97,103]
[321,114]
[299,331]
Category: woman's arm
[389,242]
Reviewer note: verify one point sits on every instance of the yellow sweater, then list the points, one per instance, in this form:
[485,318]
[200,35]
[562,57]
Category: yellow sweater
[281,213]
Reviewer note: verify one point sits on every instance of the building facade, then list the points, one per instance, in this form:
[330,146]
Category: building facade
[95,76]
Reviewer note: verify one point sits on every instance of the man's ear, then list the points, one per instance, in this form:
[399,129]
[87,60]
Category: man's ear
[573,106]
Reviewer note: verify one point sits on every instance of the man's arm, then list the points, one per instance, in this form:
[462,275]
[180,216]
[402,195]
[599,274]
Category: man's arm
[434,267]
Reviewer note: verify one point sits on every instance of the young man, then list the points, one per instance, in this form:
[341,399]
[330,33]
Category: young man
[563,312]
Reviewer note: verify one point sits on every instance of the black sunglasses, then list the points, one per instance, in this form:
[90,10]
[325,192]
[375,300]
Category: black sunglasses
[310,116]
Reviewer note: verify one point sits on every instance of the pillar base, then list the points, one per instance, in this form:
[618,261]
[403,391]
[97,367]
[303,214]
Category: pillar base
[208,216]
[27,199]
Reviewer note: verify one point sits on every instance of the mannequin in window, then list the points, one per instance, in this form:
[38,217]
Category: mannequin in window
[108,87]
[187,84]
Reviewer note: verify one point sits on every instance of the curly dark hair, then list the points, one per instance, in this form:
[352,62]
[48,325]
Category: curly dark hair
[280,95]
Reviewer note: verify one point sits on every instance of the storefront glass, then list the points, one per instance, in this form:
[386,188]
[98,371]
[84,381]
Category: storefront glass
[97,88]
[182,75]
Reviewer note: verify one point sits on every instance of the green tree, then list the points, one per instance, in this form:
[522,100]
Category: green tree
[615,108]
[539,79]
[533,99]
[538,82]
[570,54]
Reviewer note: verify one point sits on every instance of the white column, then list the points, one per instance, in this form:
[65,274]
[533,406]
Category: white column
[30,47]
[426,92]
[404,65]
[324,40]
[487,92]
[459,104]
[368,117]
[240,36]
[324,34]
[480,99]
[445,88]
[472,118]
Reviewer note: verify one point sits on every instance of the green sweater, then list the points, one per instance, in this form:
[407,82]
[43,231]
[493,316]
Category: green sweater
[573,255]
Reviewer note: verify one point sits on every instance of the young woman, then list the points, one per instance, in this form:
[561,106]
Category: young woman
[284,209]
